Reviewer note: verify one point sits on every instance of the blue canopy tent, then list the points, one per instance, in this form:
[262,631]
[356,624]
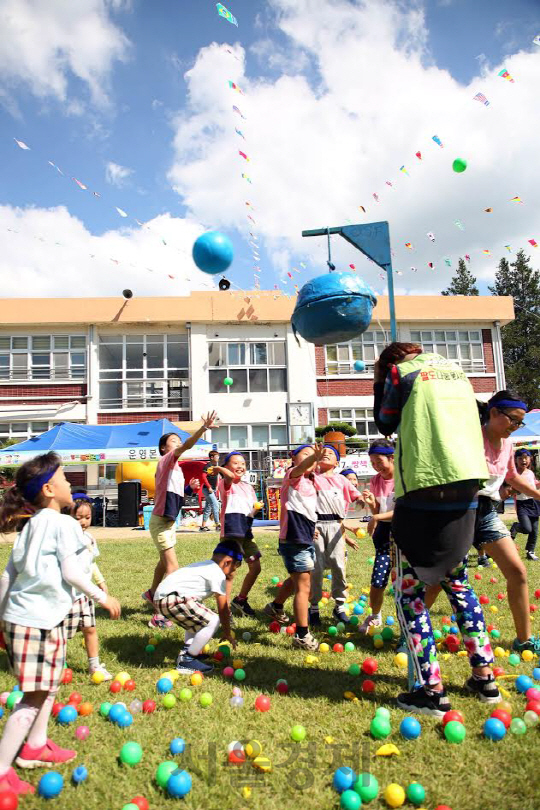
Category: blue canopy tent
[98,444]
[528,435]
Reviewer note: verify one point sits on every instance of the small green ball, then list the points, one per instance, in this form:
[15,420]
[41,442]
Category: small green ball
[350,800]
[459,165]
[163,772]
[239,675]
[104,709]
[518,726]
[446,628]
[387,634]
[130,806]
[225,649]
[354,669]
[382,711]
[168,701]
[495,633]
[354,620]
[14,698]
[186,694]
[206,699]
[437,635]
[150,648]
[298,733]
[349,646]
[415,793]
[275,580]
[332,631]
[380,727]
[131,753]
[371,560]
[513,660]
[367,787]
[455,732]
[340,627]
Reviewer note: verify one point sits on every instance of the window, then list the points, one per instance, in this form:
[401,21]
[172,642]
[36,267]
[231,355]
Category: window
[254,367]
[340,357]
[360,418]
[465,347]
[24,430]
[256,437]
[143,371]
[43,357]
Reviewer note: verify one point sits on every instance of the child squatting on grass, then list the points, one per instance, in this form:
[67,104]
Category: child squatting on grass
[44,592]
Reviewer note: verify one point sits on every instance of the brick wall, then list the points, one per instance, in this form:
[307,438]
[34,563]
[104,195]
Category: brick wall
[348,387]
[322,416]
[487,340]
[319,360]
[141,416]
[75,478]
[483,385]
[24,394]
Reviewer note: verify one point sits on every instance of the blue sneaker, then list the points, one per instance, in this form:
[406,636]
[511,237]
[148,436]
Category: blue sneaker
[187,664]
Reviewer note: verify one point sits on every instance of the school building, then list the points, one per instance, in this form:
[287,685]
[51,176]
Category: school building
[110,360]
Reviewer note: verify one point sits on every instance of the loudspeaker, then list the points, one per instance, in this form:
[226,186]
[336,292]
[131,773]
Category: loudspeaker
[129,498]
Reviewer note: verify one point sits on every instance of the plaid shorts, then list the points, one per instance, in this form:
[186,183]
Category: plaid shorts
[82,614]
[188,612]
[36,656]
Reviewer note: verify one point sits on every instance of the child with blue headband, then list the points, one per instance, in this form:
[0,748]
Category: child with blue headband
[526,508]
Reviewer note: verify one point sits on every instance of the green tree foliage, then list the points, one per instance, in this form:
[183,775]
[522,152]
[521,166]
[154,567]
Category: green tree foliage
[463,282]
[521,337]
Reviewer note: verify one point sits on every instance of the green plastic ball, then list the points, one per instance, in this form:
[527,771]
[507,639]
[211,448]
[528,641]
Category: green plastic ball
[495,633]
[437,635]
[14,698]
[513,660]
[168,701]
[206,699]
[387,634]
[350,800]
[380,727]
[518,726]
[415,793]
[354,669]
[378,637]
[149,648]
[382,711]
[131,753]
[459,165]
[239,675]
[104,709]
[225,649]
[186,694]
[340,627]
[367,787]
[446,628]
[455,732]
[275,580]
[298,733]
[163,772]
[130,806]
[354,621]
[371,560]
[332,631]
[349,646]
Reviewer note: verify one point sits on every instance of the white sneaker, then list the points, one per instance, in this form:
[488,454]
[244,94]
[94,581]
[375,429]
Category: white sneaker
[370,621]
[309,642]
[106,674]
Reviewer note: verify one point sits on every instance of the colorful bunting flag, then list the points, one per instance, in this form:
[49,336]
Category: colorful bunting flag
[226,14]
[239,132]
[234,86]
[517,200]
[236,110]
[532,242]
[505,75]
[404,171]
[81,185]
[419,155]
[437,141]
[482,99]
[509,249]
[21,144]
[243,154]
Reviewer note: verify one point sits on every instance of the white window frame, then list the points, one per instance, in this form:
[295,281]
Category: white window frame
[451,346]
[365,347]
[31,428]
[355,416]
[75,372]
[232,444]
[228,369]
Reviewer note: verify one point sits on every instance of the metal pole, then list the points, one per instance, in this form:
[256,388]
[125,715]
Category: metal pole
[391,301]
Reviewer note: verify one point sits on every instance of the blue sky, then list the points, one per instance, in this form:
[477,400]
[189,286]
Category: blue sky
[141,107]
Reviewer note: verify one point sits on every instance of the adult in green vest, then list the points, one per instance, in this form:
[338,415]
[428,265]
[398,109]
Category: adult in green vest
[439,468]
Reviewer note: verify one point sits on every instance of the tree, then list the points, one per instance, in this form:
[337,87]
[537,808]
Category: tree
[463,282]
[521,337]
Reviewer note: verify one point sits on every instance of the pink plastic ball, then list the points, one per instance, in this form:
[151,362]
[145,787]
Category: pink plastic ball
[3,697]
[533,693]
[82,732]
[237,692]
[228,672]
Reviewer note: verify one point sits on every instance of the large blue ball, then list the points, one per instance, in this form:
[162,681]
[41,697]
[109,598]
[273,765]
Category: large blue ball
[523,683]
[177,746]
[67,715]
[344,778]
[115,712]
[333,308]
[179,784]
[410,728]
[494,729]
[164,685]
[213,252]
[50,785]
[125,720]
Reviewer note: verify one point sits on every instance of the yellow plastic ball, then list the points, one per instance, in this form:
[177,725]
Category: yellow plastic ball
[401,660]
[324,600]
[394,795]
[378,643]
[494,608]
[324,647]
[505,706]
[498,652]
[527,655]
[321,604]
[365,590]
[206,649]
[360,533]
[122,677]
[253,749]
[246,792]
[372,630]
[238,664]
[97,677]
[310,660]
[173,675]
[462,653]
[262,764]
[196,679]
[507,653]
[154,641]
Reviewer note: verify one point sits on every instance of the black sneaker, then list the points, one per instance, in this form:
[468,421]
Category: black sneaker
[241,607]
[314,617]
[532,556]
[340,615]
[187,664]
[485,689]
[204,529]
[483,560]
[514,530]
[420,701]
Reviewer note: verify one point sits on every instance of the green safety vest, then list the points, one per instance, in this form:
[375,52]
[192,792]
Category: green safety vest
[439,435]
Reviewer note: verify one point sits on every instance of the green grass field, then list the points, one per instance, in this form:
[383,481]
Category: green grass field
[475,774]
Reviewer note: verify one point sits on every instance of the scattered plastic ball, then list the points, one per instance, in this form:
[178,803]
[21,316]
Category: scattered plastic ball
[67,715]
[168,701]
[338,648]
[504,717]
[350,800]
[179,784]
[253,749]
[523,683]
[140,802]
[367,787]
[382,711]
[459,165]
[453,714]
[8,800]
[196,679]
[401,660]
[122,678]
[239,675]
[85,708]
[343,779]
[368,686]
[349,646]
[455,732]
[513,660]
[262,703]
[124,720]
[494,729]
[518,726]
[380,727]
[149,648]
[75,697]
[298,733]
[104,709]
[536,673]
[164,771]
[177,746]
[149,706]
[213,252]
[387,634]
[13,698]
[370,666]
[415,793]
[282,687]
[3,698]
[394,795]
[228,672]
[354,669]
[332,631]
[80,774]
[67,677]
[50,785]
[246,636]
[131,753]
[130,685]
[410,728]
[135,706]
[206,699]
[82,733]
[115,687]
[164,685]
[531,719]
[324,647]
[186,694]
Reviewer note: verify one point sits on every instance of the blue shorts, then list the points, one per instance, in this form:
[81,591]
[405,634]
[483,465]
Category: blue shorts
[488,527]
[298,558]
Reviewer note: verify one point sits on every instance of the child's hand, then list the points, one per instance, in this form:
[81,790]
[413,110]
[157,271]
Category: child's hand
[352,543]
[369,499]
[318,449]
[103,586]
[230,638]
[209,420]
[113,606]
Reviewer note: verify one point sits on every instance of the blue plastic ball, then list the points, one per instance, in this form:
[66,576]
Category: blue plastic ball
[453,617]
[115,713]
[494,729]
[79,775]
[390,620]
[344,778]
[359,365]
[164,685]
[67,715]
[410,728]
[213,252]
[125,720]
[523,683]
[1,711]
[177,746]
[358,609]
[179,784]
[50,785]
[333,308]
[454,631]
[536,673]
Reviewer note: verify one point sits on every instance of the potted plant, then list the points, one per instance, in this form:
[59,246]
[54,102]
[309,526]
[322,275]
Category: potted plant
[334,433]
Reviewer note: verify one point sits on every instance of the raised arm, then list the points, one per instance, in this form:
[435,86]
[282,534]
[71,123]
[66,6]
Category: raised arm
[309,461]
[208,422]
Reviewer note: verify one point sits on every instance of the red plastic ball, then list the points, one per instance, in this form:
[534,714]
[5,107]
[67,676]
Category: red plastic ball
[452,715]
[443,807]
[338,648]
[141,802]
[532,693]
[274,627]
[370,666]
[537,593]
[130,685]
[282,688]
[149,706]
[368,686]
[446,620]
[326,594]
[533,706]
[452,643]
[57,708]
[67,677]
[279,584]
[493,580]
[75,697]
[498,671]
[262,703]
[8,800]
[218,656]
[500,596]
[490,627]
[290,630]
[484,600]
[237,756]
[478,576]
[115,687]
[533,608]
[503,716]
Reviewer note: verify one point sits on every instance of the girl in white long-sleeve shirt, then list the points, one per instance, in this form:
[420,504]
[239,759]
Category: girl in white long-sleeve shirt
[37,591]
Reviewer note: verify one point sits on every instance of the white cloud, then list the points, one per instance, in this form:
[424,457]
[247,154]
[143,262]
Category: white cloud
[48,252]
[43,44]
[321,142]
[117,175]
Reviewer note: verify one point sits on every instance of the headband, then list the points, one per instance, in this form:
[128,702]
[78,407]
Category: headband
[347,471]
[331,447]
[231,454]
[523,452]
[381,451]
[302,447]
[32,488]
[223,548]
[508,403]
